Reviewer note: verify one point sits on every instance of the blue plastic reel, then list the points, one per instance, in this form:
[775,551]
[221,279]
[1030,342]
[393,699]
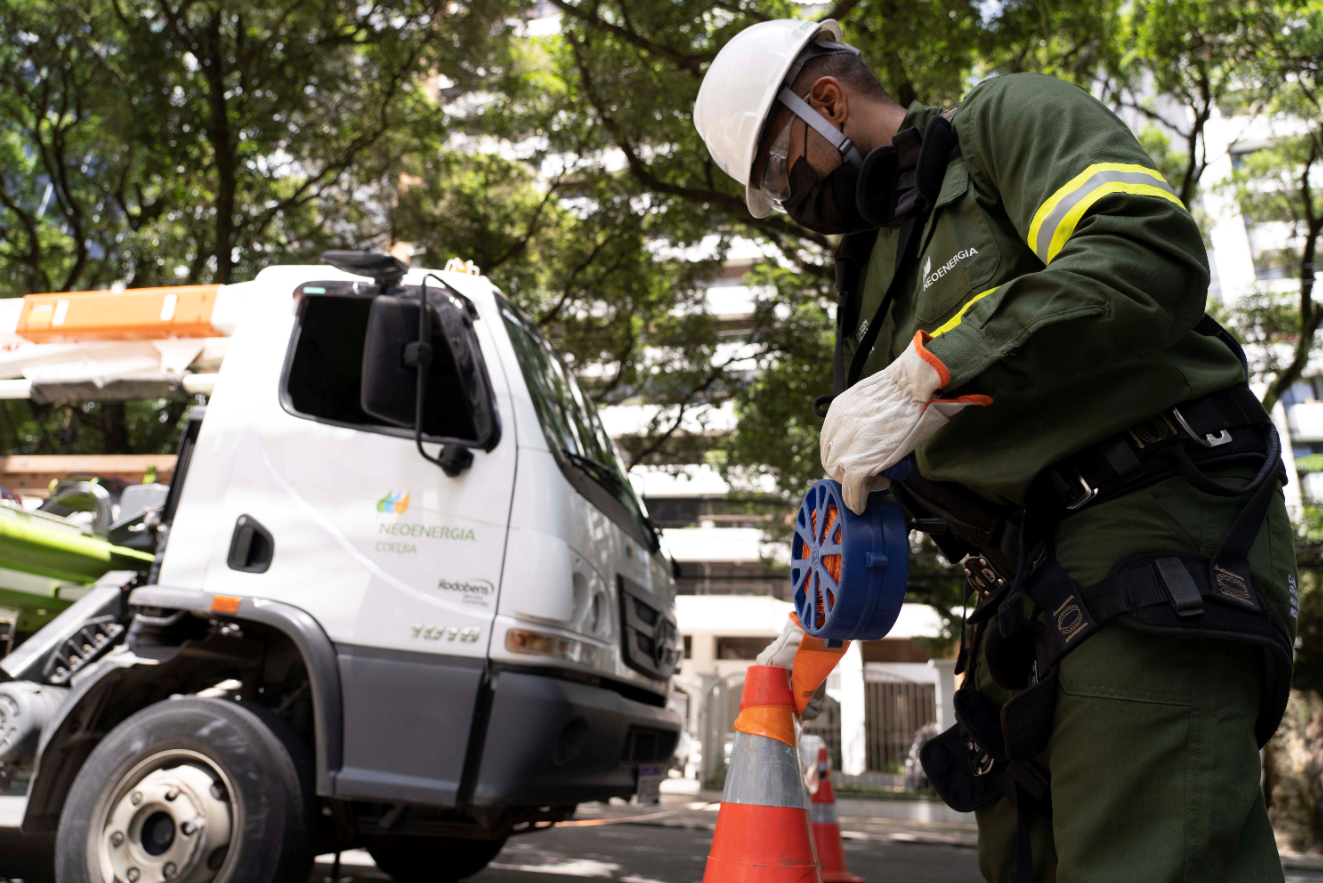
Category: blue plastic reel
[874,555]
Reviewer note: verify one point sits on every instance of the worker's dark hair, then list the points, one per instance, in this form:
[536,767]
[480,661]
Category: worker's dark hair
[847,67]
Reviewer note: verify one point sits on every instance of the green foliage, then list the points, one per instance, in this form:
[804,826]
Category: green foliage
[143,427]
[149,141]
[154,140]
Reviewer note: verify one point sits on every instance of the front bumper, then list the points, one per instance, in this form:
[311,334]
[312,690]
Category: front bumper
[551,741]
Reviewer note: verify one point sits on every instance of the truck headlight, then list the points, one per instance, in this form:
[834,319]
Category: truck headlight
[539,644]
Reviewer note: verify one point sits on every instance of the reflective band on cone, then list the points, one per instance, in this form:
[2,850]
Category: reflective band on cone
[827,829]
[763,829]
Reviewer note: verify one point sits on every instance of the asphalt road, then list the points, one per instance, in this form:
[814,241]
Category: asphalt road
[635,853]
[629,853]
[613,844]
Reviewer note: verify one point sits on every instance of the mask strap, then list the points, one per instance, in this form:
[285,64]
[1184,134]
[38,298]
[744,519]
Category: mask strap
[801,108]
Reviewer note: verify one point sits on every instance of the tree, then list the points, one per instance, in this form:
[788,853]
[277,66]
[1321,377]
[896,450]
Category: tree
[150,142]
[1174,63]
[1280,189]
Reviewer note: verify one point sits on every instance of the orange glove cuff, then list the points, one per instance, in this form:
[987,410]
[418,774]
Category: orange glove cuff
[814,661]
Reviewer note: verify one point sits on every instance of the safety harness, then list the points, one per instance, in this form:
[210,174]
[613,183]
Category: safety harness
[1008,553]
[989,753]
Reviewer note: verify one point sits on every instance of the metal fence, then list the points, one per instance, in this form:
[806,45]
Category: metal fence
[828,726]
[893,713]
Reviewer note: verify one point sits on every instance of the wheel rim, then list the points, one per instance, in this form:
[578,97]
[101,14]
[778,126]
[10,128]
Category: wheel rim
[169,818]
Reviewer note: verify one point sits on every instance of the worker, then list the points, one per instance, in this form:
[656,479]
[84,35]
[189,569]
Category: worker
[1021,346]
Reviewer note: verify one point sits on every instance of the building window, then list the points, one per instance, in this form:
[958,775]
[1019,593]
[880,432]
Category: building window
[688,646]
[672,512]
[741,648]
[732,578]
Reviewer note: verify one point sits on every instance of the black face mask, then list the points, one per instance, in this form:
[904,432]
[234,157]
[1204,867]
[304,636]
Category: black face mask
[824,205]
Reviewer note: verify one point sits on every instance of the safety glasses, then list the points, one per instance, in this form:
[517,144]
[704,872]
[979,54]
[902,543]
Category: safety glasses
[775,180]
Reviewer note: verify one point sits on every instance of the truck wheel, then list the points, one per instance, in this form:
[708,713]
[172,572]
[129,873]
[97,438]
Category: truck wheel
[433,859]
[190,791]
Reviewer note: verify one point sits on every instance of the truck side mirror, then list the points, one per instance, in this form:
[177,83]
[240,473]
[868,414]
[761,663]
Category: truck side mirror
[459,407]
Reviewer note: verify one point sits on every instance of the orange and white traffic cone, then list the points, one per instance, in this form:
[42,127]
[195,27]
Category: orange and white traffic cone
[763,832]
[827,829]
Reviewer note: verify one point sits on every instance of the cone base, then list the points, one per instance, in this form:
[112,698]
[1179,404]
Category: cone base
[831,854]
[762,844]
[841,877]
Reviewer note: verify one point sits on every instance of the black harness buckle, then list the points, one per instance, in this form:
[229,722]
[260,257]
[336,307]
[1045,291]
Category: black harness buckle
[1181,588]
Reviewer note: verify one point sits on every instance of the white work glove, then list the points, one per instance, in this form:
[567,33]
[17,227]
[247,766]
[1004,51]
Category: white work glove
[877,422]
[782,652]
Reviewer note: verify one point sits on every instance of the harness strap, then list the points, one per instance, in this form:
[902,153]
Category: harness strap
[1224,428]
[835,137]
[910,210]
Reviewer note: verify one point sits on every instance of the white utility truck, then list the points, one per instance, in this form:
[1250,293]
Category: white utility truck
[415,617]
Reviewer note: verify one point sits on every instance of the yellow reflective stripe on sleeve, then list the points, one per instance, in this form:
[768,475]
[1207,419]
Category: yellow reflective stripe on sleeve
[955,320]
[1056,219]
[1067,226]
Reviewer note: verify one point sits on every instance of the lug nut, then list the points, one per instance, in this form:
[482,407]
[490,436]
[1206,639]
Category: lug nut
[188,828]
[170,870]
[116,839]
[133,875]
[136,798]
[172,794]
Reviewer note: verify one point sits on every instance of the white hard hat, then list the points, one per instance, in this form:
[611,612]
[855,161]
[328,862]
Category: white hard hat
[738,91]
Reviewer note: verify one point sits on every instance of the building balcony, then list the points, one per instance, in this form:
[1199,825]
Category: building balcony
[1305,421]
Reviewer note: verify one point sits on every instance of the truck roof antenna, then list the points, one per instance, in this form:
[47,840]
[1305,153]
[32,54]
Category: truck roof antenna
[386,270]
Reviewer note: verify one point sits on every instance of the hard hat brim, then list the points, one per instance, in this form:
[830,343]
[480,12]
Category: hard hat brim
[754,199]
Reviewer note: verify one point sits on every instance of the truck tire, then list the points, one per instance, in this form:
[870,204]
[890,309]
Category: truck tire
[433,859]
[191,791]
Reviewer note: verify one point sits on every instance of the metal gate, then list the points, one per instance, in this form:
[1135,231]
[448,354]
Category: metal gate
[828,726]
[893,713]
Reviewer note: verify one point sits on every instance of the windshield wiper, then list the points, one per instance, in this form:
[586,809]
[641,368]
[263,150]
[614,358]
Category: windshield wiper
[597,469]
[613,481]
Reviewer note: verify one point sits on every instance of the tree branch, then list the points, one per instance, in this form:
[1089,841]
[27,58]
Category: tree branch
[689,61]
[645,176]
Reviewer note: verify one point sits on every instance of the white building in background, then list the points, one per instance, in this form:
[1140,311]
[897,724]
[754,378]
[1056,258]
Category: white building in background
[1241,257]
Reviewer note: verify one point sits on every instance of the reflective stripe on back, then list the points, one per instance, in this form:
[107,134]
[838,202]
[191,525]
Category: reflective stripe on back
[1056,219]
[764,772]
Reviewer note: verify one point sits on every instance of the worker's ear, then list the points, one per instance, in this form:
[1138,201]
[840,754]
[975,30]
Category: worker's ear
[828,97]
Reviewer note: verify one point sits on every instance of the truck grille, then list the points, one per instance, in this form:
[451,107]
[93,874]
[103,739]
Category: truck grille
[650,635]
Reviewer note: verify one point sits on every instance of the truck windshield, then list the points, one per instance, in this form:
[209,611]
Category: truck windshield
[574,431]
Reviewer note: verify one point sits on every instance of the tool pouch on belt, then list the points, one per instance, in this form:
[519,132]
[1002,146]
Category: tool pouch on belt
[1026,718]
[962,763]
[947,762]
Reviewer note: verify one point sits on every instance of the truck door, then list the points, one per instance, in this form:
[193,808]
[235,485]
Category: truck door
[398,562]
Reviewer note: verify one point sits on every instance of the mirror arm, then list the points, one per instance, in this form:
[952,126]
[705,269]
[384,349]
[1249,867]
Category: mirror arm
[454,458]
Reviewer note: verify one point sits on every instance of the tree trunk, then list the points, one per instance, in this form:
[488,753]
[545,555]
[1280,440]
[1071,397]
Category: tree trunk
[218,133]
[114,428]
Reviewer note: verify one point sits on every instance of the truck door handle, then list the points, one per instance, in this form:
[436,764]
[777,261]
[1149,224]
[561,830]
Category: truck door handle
[251,546]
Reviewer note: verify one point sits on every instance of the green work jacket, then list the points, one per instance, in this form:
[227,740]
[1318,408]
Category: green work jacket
[1058,273]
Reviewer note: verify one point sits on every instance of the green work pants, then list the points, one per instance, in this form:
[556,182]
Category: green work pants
[1155,769]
